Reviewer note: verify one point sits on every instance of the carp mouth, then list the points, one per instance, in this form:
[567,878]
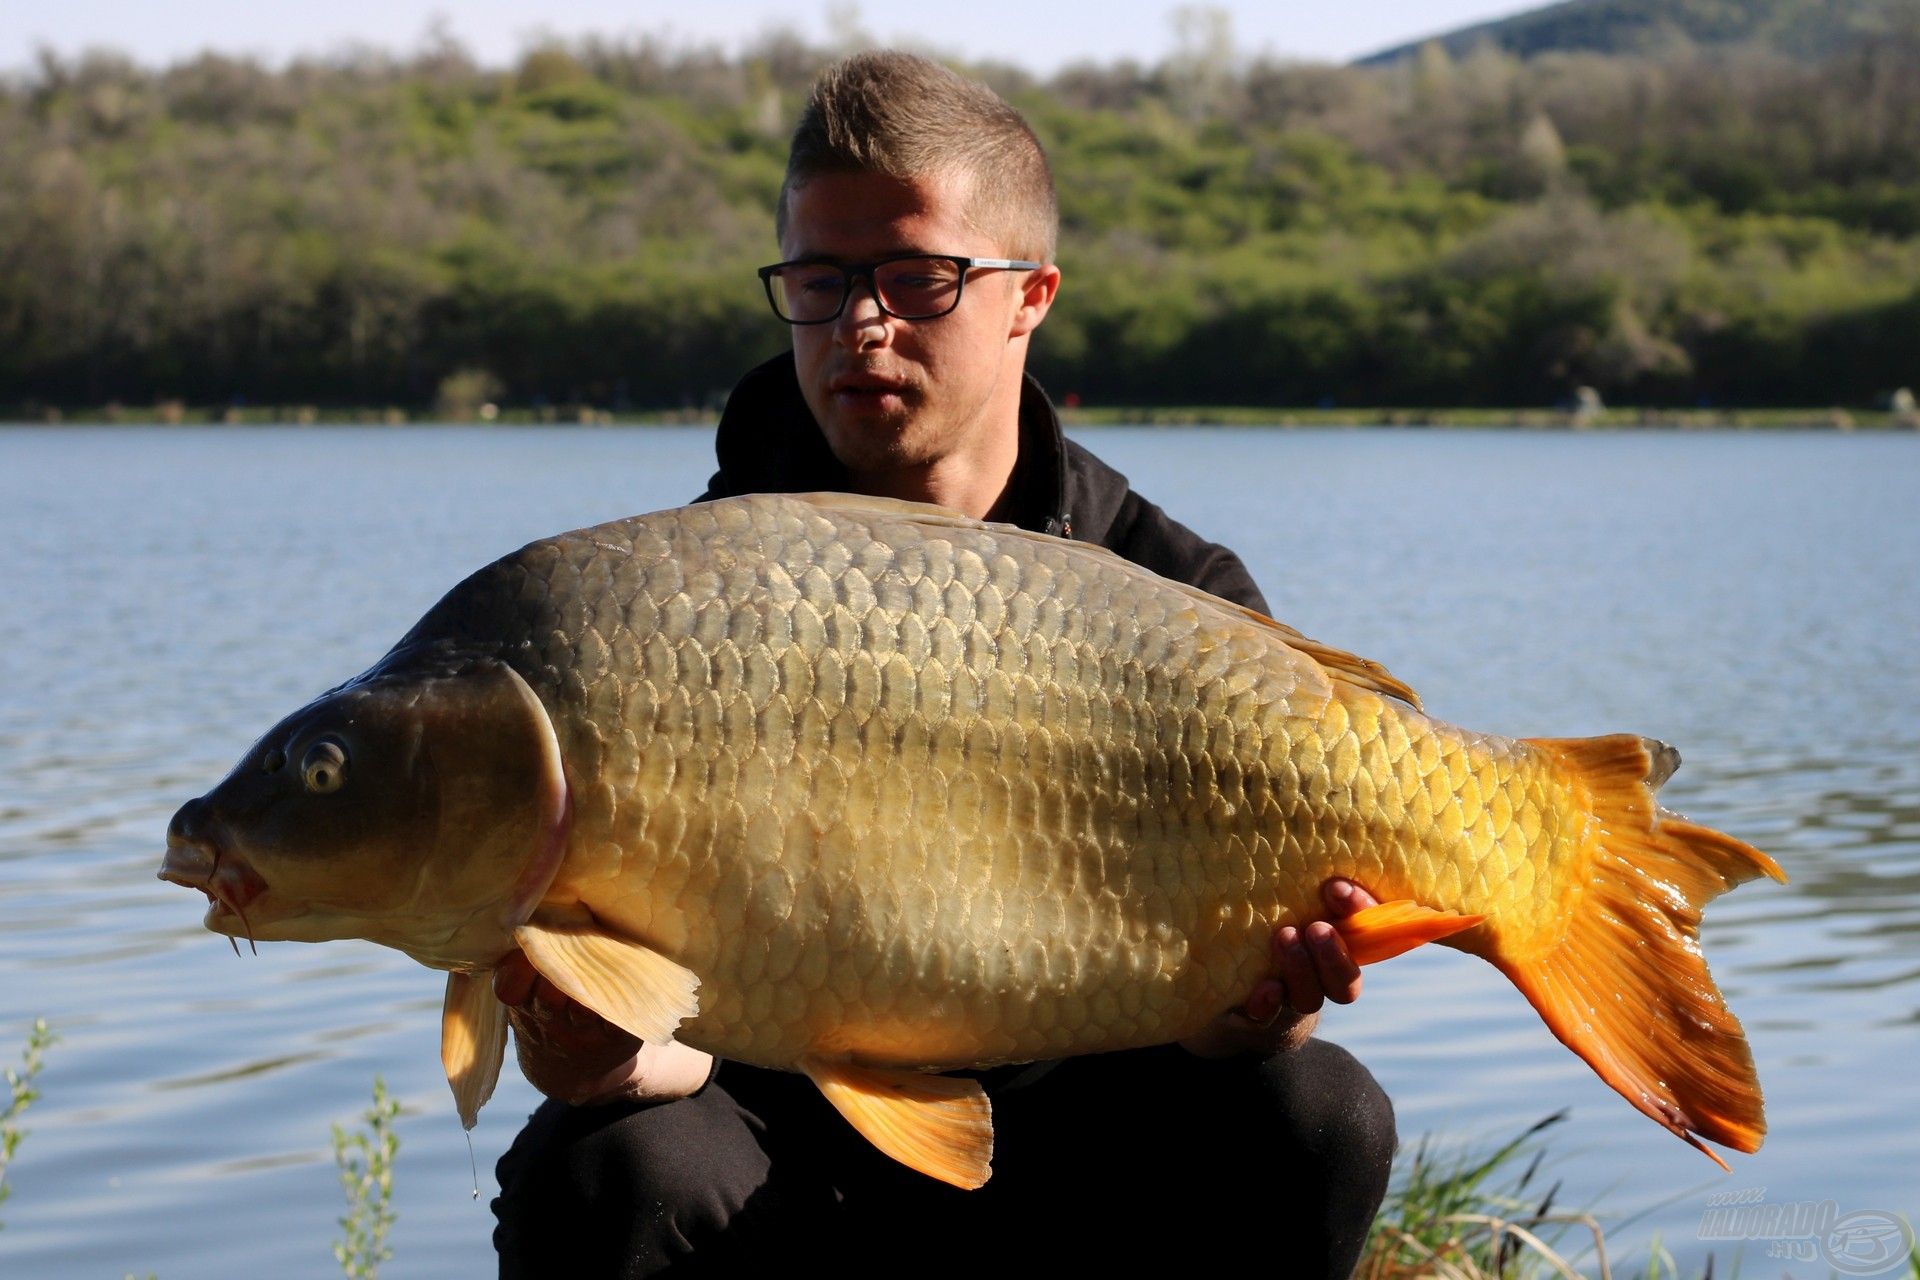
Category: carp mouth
[225,877]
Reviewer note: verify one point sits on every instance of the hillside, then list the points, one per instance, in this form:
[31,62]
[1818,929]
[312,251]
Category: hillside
[1716,226]
[1807,29]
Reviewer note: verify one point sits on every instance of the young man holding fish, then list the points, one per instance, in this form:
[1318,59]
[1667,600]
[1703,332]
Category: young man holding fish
[917,224]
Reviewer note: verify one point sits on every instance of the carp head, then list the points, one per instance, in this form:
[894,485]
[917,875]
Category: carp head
[421,806]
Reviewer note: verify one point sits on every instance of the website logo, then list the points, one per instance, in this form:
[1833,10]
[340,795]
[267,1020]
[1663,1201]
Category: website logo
[1863,1242]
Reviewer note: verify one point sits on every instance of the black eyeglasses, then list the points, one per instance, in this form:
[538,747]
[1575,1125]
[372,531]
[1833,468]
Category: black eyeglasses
[912,286]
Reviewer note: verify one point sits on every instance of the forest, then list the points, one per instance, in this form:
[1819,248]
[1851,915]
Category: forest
[1694,225]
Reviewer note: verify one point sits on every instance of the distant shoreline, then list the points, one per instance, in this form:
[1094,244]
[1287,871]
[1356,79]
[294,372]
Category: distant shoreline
[1697,419]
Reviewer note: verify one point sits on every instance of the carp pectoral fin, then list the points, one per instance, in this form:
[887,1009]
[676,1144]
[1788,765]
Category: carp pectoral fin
[1384,931]
[473,1039]
[630,985]
[938,1125]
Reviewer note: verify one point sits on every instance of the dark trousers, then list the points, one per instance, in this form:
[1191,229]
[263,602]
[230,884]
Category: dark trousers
[1120,1161]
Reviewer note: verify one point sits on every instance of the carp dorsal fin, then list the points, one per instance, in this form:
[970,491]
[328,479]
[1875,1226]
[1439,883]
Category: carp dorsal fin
[918,512]
[473,1039]
[1340,665]
[629,984]
[941,1126]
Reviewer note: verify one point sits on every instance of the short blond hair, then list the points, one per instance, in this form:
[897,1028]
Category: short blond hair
[909,117]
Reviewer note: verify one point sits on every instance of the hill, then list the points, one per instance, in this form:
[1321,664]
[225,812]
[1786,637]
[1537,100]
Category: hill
[1805,29]
[583,229]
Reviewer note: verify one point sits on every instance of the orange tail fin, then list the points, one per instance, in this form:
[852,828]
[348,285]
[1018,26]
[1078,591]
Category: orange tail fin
[1625,986]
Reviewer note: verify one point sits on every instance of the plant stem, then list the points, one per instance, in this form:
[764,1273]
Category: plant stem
[365,1158]
[21,1095]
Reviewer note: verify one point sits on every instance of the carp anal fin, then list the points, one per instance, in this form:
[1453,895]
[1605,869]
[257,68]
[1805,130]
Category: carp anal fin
[1623,984]
[630,985]
[473,1039]
[941,1126]
[1384,931]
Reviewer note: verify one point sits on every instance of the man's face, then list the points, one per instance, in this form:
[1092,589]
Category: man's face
[892,395]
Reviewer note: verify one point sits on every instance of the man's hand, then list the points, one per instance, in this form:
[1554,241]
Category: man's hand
[573,1055]
[1310,967]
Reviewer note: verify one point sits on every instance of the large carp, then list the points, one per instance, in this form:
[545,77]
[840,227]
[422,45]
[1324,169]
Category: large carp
[869,790]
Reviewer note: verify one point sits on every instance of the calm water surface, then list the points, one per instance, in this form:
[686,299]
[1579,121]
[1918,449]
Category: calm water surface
[171,593]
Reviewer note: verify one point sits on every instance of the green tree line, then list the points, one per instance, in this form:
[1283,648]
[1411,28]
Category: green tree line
[1706,225]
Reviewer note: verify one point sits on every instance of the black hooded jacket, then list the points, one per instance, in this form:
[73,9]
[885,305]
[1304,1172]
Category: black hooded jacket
[768,442]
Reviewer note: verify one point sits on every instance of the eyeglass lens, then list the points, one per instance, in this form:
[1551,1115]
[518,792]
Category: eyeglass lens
[909,288]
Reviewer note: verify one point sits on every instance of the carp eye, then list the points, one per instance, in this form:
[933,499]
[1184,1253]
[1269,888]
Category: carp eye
[325,767]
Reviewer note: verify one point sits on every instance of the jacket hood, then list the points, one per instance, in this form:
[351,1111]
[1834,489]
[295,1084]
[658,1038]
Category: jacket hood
[768,442]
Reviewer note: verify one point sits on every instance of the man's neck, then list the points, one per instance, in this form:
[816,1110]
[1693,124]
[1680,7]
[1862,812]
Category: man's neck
[972,486]
[975,479]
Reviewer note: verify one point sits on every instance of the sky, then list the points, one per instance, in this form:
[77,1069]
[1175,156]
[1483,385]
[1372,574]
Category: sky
[1040,36]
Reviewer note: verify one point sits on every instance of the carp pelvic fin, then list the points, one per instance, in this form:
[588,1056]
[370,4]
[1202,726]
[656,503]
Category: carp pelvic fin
[630,985]
[938,1125]
[473,1039]
[1624,984]
[1383,931]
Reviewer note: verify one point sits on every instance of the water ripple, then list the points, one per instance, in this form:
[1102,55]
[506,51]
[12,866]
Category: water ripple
[1728,594]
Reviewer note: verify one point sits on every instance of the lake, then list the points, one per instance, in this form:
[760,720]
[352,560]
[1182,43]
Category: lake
[1751,598]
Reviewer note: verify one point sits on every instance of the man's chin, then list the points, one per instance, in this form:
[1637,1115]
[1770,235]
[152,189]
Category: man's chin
[873,440]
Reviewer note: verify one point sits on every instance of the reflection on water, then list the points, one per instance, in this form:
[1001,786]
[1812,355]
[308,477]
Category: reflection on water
[171,593]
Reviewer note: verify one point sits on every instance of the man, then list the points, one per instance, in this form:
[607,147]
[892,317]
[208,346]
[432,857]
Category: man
[916,225]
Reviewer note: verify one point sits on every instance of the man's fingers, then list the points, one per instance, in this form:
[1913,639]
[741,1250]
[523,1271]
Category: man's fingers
[1345,898]
[1263,1006]
[1297,971]
[1338,975]
[521,987]
[576,1014]
[514,979]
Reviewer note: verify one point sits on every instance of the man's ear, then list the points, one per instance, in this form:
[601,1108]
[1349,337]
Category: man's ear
[1036,296]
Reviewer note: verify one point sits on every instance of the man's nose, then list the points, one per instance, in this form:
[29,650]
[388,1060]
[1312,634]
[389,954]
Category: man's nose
[861,323]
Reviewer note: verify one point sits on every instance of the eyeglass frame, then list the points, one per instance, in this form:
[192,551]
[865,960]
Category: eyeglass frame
[850,273]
